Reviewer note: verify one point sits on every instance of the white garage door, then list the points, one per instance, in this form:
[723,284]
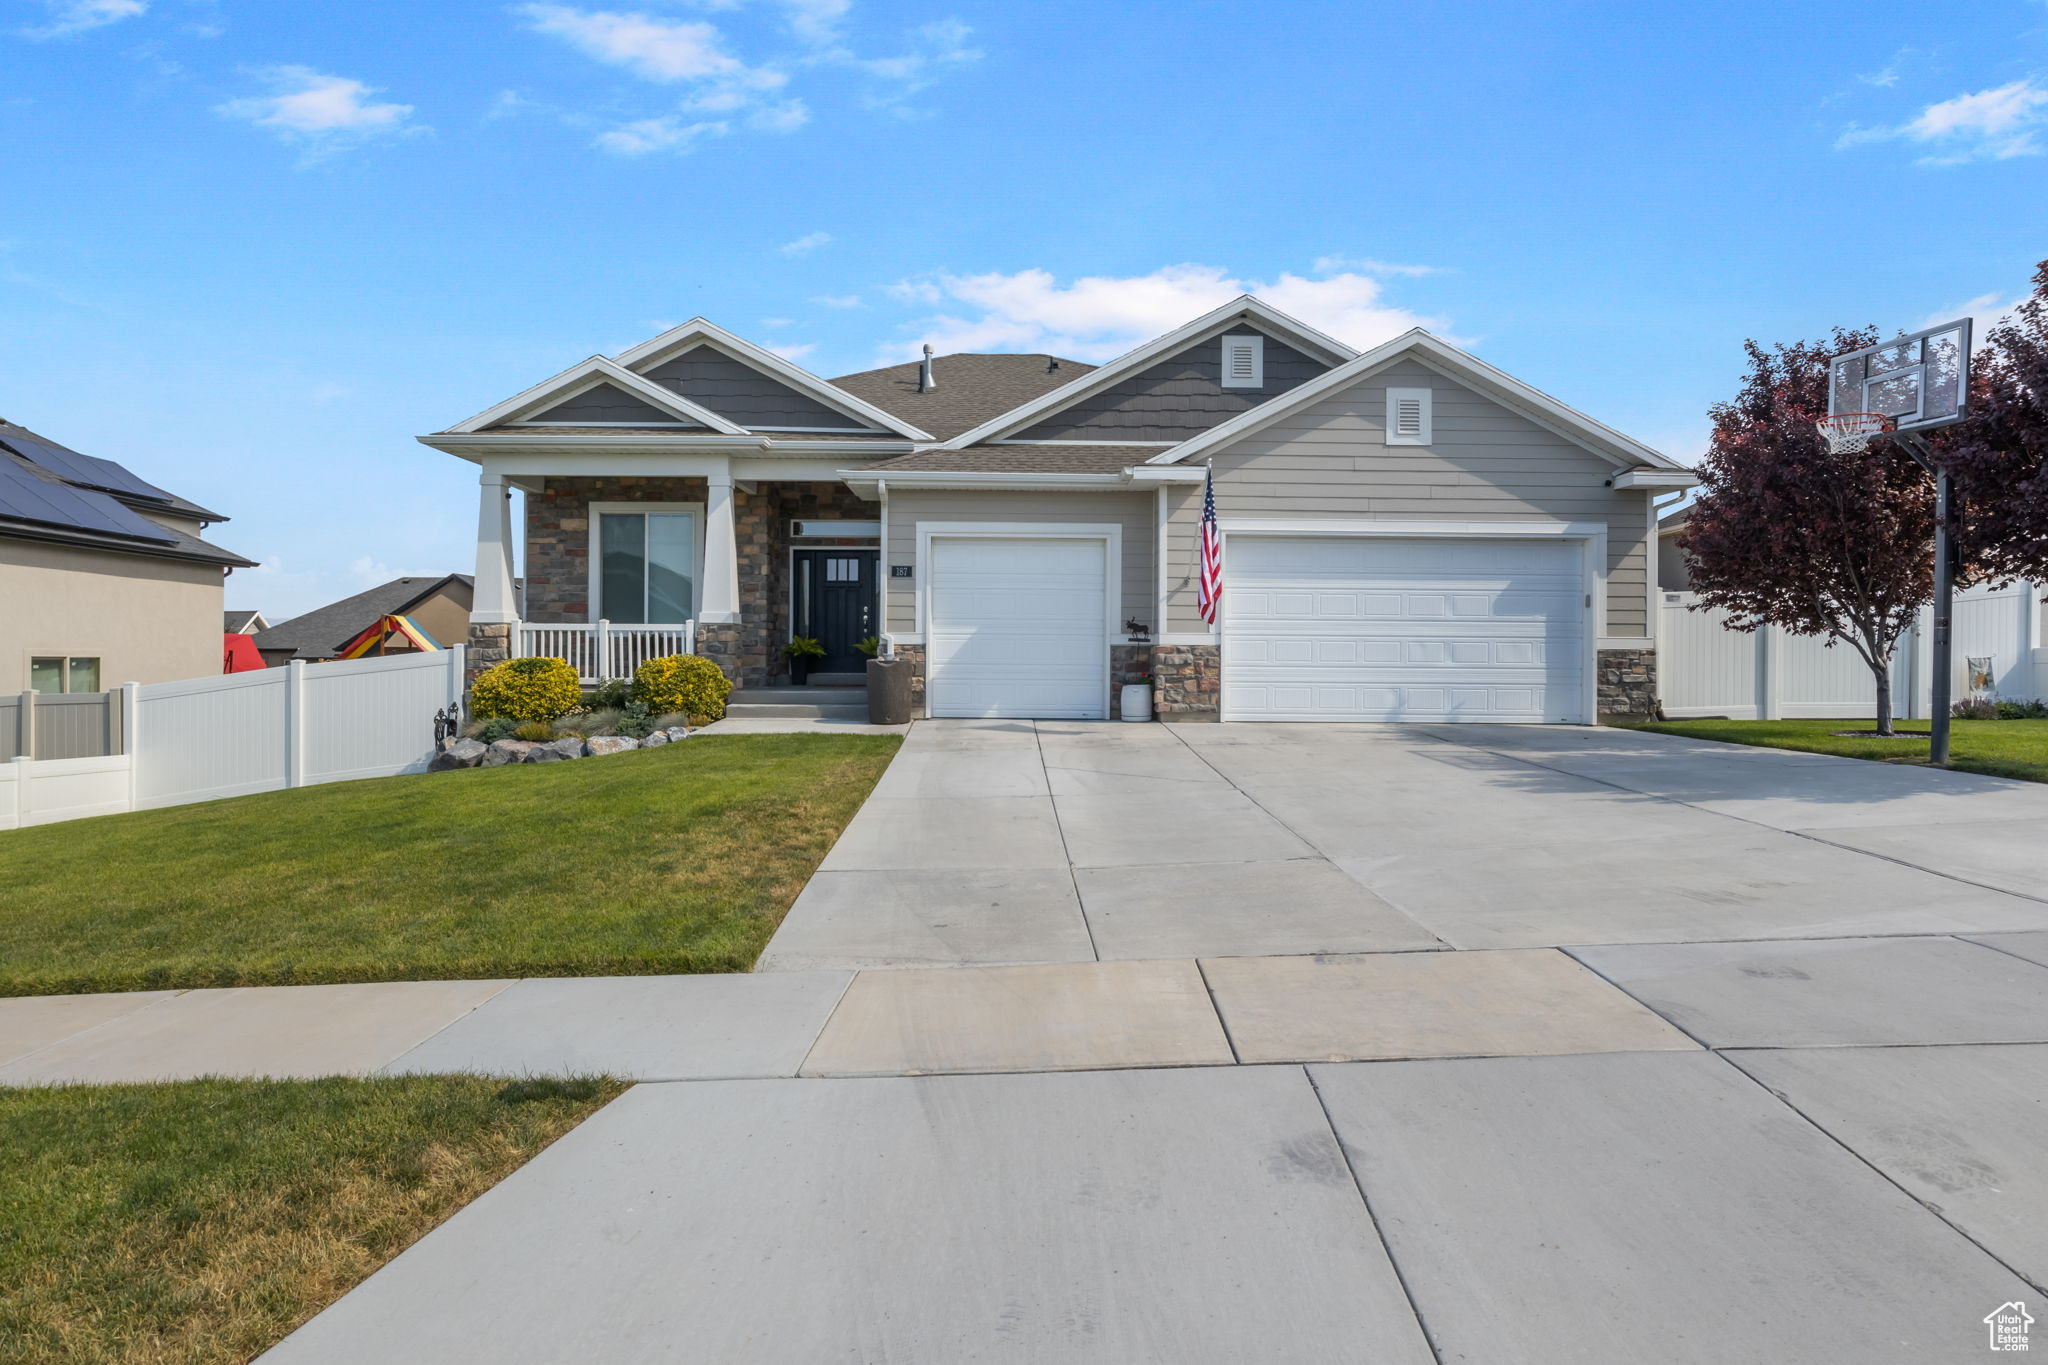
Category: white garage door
[1432,629]
[1017,628]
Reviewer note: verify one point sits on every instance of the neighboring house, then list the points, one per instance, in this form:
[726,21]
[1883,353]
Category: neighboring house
[1408,532]
[243,622]
[440,606]
[1674,570]
[104,577]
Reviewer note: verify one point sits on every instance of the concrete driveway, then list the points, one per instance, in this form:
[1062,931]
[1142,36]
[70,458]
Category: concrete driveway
[1301,1044]
[994,842]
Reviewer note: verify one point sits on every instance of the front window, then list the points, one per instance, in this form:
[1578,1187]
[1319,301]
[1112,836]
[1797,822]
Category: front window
[648,567]
[62,673]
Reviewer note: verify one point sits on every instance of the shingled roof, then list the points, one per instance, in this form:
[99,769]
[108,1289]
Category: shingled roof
[321,632]
[970,388]
[1018,459]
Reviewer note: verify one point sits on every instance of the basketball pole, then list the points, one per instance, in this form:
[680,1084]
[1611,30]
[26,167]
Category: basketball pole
[1942,682]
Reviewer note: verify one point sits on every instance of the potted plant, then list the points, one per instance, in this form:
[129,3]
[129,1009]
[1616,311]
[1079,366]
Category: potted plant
[870,645]
[1136,703]
[800,651]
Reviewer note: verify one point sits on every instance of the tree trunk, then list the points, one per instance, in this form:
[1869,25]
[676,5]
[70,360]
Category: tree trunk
[1884,697]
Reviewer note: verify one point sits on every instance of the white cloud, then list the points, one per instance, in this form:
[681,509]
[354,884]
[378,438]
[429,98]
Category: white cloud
[1098,317]
[76,16]
[1985,312]
[838,300]
[1990,125]
[793,352]
[669,134]
[320,110]
[1330,265]
[805,245]
[656,49]
[817,21]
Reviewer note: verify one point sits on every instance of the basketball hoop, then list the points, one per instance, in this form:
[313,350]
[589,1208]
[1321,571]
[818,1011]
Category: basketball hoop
[1847,432]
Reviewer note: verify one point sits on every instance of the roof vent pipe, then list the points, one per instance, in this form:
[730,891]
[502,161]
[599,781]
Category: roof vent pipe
[925,382]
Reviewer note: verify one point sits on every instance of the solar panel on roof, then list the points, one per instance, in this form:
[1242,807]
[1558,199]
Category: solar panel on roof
[25,497]
[69,464]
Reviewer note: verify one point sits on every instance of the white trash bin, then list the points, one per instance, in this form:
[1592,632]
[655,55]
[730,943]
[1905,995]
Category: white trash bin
[1137,701]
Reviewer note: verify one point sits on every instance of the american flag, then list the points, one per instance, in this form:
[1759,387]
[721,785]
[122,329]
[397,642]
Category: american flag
[1210,589]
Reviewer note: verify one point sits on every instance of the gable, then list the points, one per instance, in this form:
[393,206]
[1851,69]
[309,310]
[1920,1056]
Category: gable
[607,404]
[1481,455]
[1179,397]
[740,393]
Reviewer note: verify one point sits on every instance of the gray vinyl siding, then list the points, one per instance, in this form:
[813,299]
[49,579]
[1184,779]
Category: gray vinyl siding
[1134,511]
[1178,398]
[740,393]
[605,403]
[1485,463]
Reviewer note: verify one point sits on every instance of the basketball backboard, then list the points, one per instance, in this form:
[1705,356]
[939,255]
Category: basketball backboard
[1919,380]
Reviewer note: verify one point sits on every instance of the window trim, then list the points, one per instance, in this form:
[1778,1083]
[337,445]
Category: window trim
[1252,344]
[595,513]
[1425,432]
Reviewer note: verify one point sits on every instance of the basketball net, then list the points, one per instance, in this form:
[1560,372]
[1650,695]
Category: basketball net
[1847,432]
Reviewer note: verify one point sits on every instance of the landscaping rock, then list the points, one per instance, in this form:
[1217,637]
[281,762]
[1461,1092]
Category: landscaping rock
[611,744]
[542,753]
[657,737]
[676,732]
[461,753]
[568,746]
[503,751]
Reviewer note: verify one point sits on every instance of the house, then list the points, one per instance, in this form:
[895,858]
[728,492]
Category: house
[1674,570]
[105,577]
[438,605]
[243,622]
[1408,532]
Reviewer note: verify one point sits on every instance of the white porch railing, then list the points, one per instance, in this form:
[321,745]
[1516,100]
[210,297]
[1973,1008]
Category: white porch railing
[604,651]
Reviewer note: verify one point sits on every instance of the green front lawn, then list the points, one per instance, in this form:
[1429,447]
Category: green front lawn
[202,1221]
[674,859]
[1997,748]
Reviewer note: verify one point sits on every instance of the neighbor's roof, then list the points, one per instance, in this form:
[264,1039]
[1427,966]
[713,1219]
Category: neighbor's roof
[50,492]
[238,622]
[969,388]
[320,633]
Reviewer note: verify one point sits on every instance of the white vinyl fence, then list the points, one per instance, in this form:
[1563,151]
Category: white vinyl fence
[603,651]
[206,738]
[1706,669]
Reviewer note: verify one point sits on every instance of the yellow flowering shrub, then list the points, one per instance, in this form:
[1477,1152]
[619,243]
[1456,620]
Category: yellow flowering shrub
[686,683]
[526,689]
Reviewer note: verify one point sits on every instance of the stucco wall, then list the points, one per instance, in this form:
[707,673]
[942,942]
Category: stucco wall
[145,619]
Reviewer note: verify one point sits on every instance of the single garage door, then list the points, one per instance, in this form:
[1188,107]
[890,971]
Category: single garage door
[1429,629]
[1017,628]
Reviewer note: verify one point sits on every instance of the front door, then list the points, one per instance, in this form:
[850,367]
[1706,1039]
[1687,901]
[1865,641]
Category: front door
[835,605]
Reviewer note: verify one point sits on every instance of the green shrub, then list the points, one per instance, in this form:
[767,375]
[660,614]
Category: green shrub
[539,731]
[496,728]
[2022,710]
[611,695]
[526,689]
[635,722]
[689,683]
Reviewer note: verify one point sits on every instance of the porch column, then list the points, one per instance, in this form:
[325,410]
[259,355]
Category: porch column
[494,601]
[720,599]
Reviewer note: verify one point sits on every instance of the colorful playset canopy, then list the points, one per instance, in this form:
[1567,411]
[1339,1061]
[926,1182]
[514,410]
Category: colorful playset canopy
[388,635]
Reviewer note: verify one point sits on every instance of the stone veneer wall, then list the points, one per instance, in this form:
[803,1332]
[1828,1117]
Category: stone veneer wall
[750,650]
[1628,682]
[1187,681]
[914,655]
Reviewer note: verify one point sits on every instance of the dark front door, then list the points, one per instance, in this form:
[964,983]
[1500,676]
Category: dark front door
[835,605]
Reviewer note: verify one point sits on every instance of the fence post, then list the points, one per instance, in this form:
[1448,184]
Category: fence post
[25,723]
[295,723]
[458,671]
[602,665]
[21,790]
[131,729]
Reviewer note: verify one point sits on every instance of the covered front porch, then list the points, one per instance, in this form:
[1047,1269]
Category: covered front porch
[695,557]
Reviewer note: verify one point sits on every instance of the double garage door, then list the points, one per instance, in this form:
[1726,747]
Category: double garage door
[1361,628]
[1384,629]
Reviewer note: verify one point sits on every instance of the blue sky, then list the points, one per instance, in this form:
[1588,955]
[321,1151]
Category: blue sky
[251,249]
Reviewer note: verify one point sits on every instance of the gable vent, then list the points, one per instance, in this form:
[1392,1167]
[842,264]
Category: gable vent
[1244,362]
[1408,417]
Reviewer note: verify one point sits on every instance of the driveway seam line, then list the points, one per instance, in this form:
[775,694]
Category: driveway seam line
[818,1037]
[1386,1247]
[1881,1174]
[1216,1009]
[1059,824]
[1810,837]
[1990,933]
